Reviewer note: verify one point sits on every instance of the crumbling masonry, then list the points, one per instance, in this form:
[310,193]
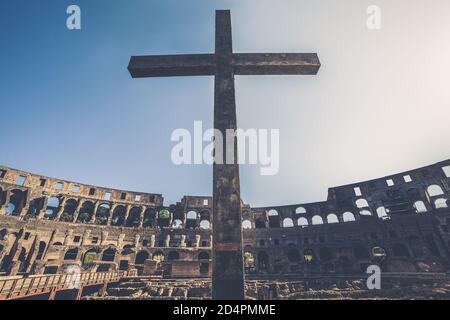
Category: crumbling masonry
[399,222]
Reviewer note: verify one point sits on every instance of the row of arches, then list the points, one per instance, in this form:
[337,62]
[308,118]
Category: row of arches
[72,210]
[111,254]
[274,221]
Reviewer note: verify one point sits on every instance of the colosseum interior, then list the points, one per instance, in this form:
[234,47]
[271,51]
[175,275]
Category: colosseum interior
[311,250]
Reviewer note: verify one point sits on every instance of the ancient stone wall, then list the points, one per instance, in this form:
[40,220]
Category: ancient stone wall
[399,222]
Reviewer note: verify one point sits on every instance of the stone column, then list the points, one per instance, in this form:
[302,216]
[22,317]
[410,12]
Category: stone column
[137,239]
[167,242]
[104,238]
[41,213]
[94,214]
[86,236]
[183,241]
[152,241]
[141,223]
[63,207]
[77,211]
[111,212]
[127,213]
[197,241]
[68,237]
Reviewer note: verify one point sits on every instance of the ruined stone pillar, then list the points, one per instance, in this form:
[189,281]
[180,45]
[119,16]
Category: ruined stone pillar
[111,212]
[94,214]
[197,241]
[77,211]
[137,239]
[4,208]
[152,241]
[120,240]
[183,241]
[167,242]
[68,236]
[86,236]
[141,221]
[41,213]
[104,238]
[63,207]
[127,213]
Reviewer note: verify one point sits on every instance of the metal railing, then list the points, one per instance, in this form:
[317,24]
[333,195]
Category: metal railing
[33,284]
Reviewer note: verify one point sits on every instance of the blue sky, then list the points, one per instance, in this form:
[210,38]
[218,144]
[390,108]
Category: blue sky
[69,108]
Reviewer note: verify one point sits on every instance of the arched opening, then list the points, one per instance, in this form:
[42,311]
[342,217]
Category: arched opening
[102,215]
[177,224]
[378,252]
[302,222]
[205,225]
[288,223]
[434,190]
[71,254]
[332,218]
[274,219]
[246,224]
[440,203]
[158,256]
[263,261]
[400,250]
[134,217]
[53,207]
[90,257]
[317,220]
[300,210]
[16,203]
[308,255]
[420,207]
[164,218]
[86,212]
[35,206]
[203,256]
[249,262]
[118,218]
[191,220]
[173,255]
[141,257]
[109,254]
[127,250]
[365,213]
[150,220]
[348,217]
[69,211]
[362,203]
[381,213]
[260,223]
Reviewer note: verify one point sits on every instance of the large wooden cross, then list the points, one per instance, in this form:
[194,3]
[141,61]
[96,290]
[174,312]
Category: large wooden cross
[227,258]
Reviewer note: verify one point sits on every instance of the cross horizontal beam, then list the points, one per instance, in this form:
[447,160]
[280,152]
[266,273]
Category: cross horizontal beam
[242,64]
[275,63]
[172,65]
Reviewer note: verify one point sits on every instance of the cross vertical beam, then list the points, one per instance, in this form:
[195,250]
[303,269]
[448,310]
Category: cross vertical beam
[227,258]
[228,266]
